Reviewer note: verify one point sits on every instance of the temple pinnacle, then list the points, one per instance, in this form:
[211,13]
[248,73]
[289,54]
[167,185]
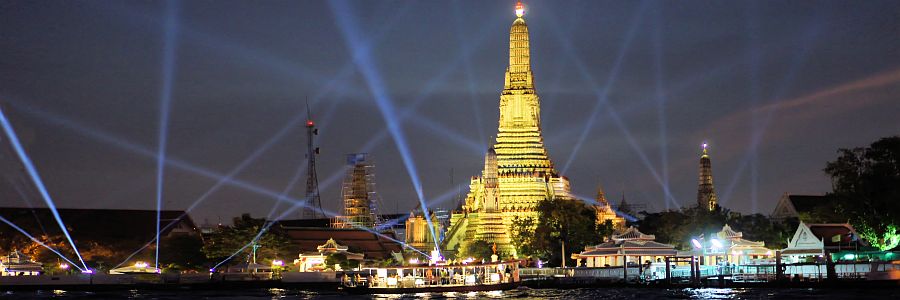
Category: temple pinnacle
[706,194]
[520,9]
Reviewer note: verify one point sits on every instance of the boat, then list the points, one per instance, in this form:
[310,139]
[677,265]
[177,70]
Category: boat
[884,271]
[466,277]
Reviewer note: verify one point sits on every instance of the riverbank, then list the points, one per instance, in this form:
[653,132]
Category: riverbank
[150,283]
[522,293]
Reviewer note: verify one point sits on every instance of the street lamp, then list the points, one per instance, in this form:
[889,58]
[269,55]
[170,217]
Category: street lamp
[696,244]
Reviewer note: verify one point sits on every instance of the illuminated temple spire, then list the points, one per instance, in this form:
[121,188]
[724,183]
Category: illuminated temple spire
[518,173]
[520,145]
[706,194]
[518,75]
[604,211]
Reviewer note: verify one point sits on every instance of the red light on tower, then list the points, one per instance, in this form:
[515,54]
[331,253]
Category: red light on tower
[520,9]
[309,123]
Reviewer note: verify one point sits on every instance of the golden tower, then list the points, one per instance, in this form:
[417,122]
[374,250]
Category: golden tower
[706,194]
[518,172]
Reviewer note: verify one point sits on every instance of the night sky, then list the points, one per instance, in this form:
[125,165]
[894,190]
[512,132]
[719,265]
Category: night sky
[629,91]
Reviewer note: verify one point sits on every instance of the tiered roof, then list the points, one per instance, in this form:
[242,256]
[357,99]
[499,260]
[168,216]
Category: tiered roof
[630,242]
[631,234]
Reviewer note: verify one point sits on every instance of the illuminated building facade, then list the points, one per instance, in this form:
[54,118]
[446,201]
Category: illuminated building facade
[706,194]
[605,212]
[517,173]
[417,233]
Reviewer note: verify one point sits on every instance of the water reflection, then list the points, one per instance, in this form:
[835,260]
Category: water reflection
[612,293]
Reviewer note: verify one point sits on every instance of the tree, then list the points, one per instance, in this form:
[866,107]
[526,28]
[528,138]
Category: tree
[387,262]
[183,252]
[560,221]
[100,256]
[227,240]
[529,239]
[678,227]
[340,259]
[477,249]
[758,227]
[866,186]
[46,257]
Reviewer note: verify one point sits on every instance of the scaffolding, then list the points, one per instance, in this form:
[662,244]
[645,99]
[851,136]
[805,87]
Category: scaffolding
[358,192]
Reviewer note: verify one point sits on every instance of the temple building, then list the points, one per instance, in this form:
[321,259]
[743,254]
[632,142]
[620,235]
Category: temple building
[706,194]
[17,264]
[731,247]
[315,261]
[605,212]
[631,247]
[803,208]
[518,173]
[418,235]
[358,192]
[811,242]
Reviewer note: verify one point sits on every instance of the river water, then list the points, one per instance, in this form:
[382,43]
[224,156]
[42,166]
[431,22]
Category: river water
[522,293]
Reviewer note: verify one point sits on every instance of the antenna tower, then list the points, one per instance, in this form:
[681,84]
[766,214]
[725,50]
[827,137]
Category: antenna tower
[312,180]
